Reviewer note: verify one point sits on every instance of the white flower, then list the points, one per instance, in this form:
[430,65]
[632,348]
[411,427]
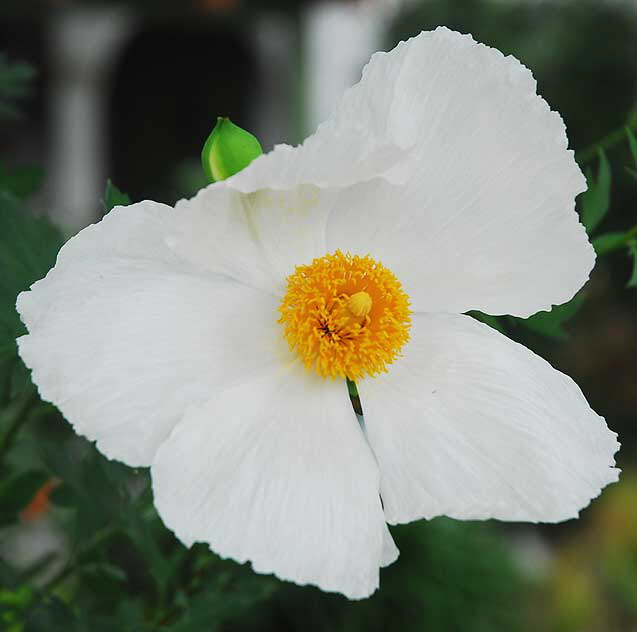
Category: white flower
[157,333]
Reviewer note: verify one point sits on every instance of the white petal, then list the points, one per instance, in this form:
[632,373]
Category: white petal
[480,215]
[472,425]
[484,217]
[357,143]
[124,337]
[256,238]
[277,471]
[390,550]
[514,261]
[333,156]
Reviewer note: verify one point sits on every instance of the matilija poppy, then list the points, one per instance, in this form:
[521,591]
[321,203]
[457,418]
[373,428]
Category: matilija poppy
[210,341]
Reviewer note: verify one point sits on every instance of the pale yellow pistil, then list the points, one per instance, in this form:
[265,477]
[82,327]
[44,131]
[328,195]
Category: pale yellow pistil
[359,304]
[345,316]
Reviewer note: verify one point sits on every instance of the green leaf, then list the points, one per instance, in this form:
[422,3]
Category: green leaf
[21,181]
[596,201]
[28,249]
[551,324]
[632,249]
[609,242]
[14,603]
[114,197]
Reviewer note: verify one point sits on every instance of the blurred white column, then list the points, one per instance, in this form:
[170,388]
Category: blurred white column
[83,45]
[339,38]
[274,103]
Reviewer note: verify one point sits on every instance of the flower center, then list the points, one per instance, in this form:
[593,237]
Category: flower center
[345,316]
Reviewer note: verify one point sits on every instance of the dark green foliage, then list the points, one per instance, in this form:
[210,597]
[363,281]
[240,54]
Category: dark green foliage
[626,241]
[51,615]
[609,242]
[596,201]
[470,582]
[632,248]
[551,324]
[632,142]
[21,182]
[28,248]
[15,84]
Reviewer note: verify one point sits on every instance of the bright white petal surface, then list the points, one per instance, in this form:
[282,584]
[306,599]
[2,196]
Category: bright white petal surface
[124,336]
[509,260]
[336,155]
[277,472]
[256,238]
[472,425]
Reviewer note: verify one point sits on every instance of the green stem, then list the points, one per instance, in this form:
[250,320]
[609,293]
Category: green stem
[354,396]
[610,140]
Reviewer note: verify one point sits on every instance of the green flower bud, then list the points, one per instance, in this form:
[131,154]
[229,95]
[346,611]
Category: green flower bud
[228,150]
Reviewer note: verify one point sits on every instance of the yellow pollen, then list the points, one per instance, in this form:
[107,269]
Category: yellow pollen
[345,315]
[359,304]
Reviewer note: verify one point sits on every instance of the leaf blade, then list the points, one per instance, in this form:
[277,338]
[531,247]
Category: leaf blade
[596,201]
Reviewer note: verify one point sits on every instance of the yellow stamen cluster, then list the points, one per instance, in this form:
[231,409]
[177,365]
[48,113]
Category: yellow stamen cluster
[345,316]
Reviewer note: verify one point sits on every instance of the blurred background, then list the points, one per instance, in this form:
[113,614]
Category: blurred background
[129,91]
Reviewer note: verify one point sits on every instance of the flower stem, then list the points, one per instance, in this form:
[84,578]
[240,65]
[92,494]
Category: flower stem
[354,396]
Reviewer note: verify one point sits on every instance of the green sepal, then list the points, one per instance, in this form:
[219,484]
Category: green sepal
[228,150]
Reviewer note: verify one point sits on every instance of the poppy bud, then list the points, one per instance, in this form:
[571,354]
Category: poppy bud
[228,150]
